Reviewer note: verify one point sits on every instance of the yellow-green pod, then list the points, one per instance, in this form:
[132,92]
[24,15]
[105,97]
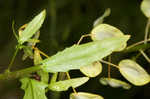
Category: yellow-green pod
[115,83]
[92,70]
[104,31]
[84,95]
[133,72]
[145,7]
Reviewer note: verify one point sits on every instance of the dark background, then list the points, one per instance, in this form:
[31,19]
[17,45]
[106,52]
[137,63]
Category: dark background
[66,21]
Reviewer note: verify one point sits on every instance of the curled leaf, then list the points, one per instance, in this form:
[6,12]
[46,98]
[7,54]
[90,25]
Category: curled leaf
[85,95]
[115,83]
[65,84]
[145,7]
[133,72]
[104,31]
[92,70]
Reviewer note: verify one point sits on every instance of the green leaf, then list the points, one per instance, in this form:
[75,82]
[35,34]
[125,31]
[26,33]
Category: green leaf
[133,72]
[101,18]
[37,59]
[65,84]
[146,8]
[92,70]
[85,95]
[32,27]
[33,89]
[104,31]
[81,55]
[115,83]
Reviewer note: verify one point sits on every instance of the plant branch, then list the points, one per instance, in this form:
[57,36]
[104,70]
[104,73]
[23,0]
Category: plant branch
[19,73]
[146,31]
[145,56]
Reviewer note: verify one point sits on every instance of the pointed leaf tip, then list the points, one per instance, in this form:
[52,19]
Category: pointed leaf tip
[32,27]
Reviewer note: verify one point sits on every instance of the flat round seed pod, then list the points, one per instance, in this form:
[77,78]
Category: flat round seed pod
[92,70]
[115,83]
[145,7]
[103,31]
[133,72]
[84,95]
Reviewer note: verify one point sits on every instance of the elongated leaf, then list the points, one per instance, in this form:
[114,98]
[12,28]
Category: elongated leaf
[101,18]
[37,59]
[85,95]
[81,55]
[65,84]
[92,70]
[115,83]
[33,89]
[133,72]
[32,27]
[146,8]
[104,31]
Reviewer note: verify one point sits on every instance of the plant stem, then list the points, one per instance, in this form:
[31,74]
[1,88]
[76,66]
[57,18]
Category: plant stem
[19,73]
[135,44]
[109,68]
[13,58]
[108,63]
[146,31]
[145,56]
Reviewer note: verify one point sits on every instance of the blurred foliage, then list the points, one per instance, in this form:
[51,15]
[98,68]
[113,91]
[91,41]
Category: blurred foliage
[66,21]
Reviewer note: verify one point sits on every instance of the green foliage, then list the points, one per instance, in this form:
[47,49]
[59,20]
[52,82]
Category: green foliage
[33,89]
[32,27]
[65,84]
[82,55]
[106,39]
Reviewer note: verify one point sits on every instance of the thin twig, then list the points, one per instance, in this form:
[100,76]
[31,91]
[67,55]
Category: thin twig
[135,44]
[109,68]
[35,48]
[109,63]
[13,58]
[145,56]
[74,90]
[81,38]
[146,31]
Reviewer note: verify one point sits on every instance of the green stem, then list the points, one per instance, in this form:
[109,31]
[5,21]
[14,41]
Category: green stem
[19,73]
[146,31]
[13,58]
[54,78]
[145,56]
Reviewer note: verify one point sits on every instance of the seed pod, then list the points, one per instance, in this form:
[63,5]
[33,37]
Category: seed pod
[84,95]
[145,7]
[92,70]
[115,83]
[133,72]
[104,31]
